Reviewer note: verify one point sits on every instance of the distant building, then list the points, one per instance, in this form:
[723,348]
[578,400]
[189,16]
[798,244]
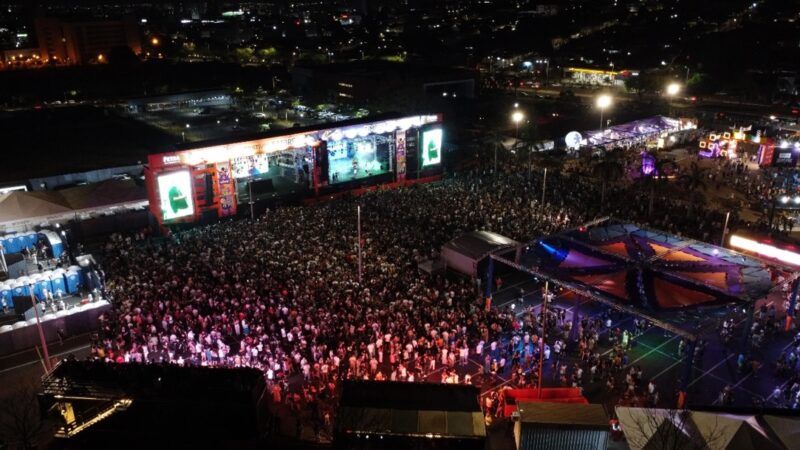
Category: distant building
[365,81]
[199,100]
[81,41]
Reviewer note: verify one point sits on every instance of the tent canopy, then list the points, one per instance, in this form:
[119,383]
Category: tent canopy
[464,252]
[576,415]
[647,428]
[17,205]
[19,209]
[411,409]
[633,131]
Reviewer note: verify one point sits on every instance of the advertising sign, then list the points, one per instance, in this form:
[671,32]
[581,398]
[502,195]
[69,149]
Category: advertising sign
[227,191]
[431,147]
[175,195]
[400,154]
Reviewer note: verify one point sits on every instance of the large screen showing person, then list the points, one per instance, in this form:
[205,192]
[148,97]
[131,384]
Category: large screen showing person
[175,195]
[431,147]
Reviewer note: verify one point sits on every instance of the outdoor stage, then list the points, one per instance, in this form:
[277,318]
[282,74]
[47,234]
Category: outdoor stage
[680,285]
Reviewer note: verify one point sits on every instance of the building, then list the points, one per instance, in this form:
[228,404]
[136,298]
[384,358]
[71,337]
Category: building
[561,426]
[368,81]
[195,99]
[596,77]
[212,178]
[83,41]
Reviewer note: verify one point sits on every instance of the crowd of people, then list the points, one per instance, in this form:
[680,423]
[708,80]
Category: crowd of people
[282,293]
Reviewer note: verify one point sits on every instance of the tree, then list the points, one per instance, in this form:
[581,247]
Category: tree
[607,170]
[21,423]
[243,55]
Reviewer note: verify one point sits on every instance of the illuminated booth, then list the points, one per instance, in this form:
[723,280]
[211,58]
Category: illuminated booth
[216,177]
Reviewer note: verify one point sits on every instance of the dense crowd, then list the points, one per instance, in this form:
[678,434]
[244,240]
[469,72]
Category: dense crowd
[282,293]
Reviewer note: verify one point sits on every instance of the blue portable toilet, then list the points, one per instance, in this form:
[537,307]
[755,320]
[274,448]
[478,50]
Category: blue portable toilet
[5,293]
[43,283]
[20,289]
[58,283]
[29,239]
[73,281]
[14,244]
[37,288]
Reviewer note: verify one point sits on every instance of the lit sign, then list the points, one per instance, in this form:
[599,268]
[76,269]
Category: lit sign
[765,250]
[171,159]
[175,194]
[431,147]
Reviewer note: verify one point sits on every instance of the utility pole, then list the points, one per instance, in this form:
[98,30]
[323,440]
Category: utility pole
[544,186]
[359,243]
[541,339]
[47,365]
[724,229]
[250,195]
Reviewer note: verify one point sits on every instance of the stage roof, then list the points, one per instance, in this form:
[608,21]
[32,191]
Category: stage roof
[678,283]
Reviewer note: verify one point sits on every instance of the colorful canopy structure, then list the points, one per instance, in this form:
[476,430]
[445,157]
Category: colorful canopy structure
[679,284]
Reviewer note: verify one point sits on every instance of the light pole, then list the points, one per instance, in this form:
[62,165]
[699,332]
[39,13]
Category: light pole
[544,328]
[358,211]
[544,186]
[517,117]
[603,102]
[250,196]
[47,365]
[183,133]
[725,229]
[672,91]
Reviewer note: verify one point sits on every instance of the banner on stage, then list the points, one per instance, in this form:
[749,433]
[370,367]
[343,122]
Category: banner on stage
[227,190]
[400,153]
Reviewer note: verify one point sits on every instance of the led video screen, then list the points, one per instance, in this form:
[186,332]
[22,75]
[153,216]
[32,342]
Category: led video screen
[354,159]
[431,147]
[175,194]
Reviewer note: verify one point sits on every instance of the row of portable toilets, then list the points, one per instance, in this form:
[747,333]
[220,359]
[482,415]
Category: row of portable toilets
[15,243]
[49,315]
[68,281]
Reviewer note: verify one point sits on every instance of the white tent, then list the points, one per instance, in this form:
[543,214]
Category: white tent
[656,429]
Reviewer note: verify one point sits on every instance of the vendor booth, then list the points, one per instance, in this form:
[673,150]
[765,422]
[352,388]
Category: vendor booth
[216,177]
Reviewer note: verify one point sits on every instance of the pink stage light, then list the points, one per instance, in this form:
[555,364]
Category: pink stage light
[765,250]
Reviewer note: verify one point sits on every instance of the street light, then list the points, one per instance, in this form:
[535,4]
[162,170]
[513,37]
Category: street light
[672,91]
[603,102]
[517,117]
